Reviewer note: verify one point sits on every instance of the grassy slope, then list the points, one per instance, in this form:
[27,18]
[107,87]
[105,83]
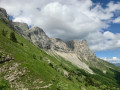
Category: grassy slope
[24,55]
[39,69]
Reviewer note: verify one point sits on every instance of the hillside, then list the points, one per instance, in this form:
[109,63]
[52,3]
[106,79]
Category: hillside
[41,64]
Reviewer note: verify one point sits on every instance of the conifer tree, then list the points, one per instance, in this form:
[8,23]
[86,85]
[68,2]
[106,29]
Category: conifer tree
[12,37]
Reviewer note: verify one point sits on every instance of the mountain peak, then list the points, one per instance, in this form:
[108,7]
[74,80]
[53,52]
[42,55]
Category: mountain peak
[21,25]
[36,28]
[3,14]
[3,11]
[84,42]
[39,37]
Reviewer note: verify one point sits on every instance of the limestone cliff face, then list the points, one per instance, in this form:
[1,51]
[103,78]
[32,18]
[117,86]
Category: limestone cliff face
[20,27]
[3,14]
[39,38]
[59,45]
[74,46]
[16,26]
[81,49]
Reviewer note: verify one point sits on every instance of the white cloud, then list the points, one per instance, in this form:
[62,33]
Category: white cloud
[23,19]
[69,19]
[103,41]
[117,20]
[112,60]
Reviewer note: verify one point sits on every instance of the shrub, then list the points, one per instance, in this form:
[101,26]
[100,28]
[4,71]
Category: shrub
[41,57]
[0,55]
[70,78]
[21,44]
[34,56]
[51,65]
[12,37]
[80,79]
[62,86]
[4,32]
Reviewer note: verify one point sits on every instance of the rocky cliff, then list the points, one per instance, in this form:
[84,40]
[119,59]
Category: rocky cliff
[3,14]
[39,38]
[81,49]
[59,45]
[21,28]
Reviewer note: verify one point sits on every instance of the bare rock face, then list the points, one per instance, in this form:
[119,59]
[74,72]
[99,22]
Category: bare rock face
[16,26]
[39,38]
[3,14]
[81,49]
[20,27]
[59,45]
[85,51]
[73,45]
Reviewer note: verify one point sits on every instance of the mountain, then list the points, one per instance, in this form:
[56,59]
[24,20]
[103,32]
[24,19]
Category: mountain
[80,50]
[30,60]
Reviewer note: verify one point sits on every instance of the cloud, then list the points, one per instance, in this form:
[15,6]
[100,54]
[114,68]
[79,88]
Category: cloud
[103,41]
[112,60]
[117,20]
[69,19]
[23,19]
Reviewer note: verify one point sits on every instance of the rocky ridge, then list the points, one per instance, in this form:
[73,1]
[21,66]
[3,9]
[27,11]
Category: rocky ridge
[21,28]
[39,38]
[3,14]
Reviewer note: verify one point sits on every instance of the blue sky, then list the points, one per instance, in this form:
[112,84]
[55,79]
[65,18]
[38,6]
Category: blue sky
[97,21]
[104,2]
[109,53]
[115,28]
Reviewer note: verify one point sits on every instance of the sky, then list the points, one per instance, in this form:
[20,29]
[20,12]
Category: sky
[97,21]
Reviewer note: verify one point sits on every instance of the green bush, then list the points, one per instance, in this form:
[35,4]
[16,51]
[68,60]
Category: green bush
[4,32]
[13,37]
[21,44]
[62,86]
[0,54]
[51,65]
[80,79]
[34,56]
[70,78]
[41,58]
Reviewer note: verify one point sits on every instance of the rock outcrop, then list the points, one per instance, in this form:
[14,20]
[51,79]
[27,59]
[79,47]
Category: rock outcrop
[39,38]
[5,57]
[59,45]
[81,49]
[21,28]
[3,14]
